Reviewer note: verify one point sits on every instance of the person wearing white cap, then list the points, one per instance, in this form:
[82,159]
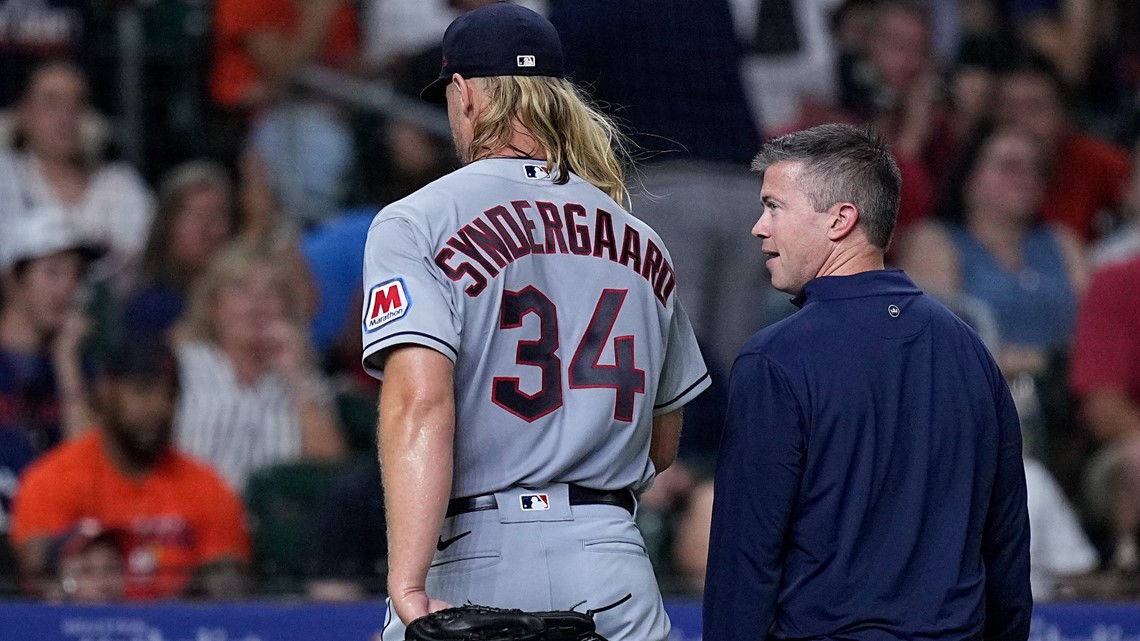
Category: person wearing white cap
[42,379]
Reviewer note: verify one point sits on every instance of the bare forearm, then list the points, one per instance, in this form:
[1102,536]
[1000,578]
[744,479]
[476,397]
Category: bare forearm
[76,414]
[665,441]
[416,464]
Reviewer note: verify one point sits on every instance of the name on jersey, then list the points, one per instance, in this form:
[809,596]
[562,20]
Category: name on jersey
[503,234]
[387,302]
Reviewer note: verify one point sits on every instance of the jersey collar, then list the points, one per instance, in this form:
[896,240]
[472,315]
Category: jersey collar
[879,282]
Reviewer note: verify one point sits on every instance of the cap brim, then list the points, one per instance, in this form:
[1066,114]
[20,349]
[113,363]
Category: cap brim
[88,253]
[71,543]
[436,92]
[91,252]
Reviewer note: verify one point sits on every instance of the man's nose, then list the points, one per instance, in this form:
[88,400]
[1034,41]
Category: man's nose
[760,229]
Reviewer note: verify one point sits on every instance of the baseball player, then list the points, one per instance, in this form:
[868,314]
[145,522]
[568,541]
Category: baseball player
[534,353]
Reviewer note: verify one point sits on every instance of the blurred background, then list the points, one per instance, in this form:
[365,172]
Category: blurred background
[186,185]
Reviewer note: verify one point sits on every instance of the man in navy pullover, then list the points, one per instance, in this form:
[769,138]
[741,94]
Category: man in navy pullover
[870,482]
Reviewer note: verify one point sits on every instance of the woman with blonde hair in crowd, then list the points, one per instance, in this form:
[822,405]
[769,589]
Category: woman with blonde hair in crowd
[251,394]
[199,210]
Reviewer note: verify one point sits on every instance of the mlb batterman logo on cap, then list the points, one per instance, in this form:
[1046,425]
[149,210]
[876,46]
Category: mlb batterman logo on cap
[501,39]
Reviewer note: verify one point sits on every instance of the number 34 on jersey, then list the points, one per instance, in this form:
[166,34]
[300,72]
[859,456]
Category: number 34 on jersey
[585,369]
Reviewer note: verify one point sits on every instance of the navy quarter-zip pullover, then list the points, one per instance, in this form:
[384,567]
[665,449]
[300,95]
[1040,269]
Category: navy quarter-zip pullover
[870,482]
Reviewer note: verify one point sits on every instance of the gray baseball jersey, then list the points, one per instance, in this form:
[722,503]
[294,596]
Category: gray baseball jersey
[559,311]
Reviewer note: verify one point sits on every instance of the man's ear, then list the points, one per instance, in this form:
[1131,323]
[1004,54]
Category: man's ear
[465,92]
[842,219]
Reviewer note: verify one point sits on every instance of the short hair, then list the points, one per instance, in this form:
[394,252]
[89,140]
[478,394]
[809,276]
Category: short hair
[1026,62]
[843,163]
[915,9]
[49,66]
[149,360]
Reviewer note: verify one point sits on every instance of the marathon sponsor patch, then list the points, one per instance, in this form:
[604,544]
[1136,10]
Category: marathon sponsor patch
[387,302]
[534,502]
[536,172]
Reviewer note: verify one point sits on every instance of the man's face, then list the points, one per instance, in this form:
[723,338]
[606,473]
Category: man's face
[793,233]
[46,290]
[140,412]
[200,227]
[1030,102]
[900,49]
[51,111]
[94,575]
[1007,180]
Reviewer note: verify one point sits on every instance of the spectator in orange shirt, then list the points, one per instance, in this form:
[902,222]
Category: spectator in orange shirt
[1088,176]
[260,45]
[187,529]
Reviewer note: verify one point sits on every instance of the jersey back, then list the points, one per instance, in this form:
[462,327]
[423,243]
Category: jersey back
[558,309]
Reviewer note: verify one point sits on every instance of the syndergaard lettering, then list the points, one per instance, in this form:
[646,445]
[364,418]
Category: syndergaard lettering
[503,235]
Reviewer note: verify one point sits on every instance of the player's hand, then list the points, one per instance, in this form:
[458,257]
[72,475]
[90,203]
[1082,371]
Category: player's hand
[415,603]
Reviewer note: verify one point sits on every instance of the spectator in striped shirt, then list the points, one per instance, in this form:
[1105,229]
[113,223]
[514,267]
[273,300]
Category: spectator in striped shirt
[251,396]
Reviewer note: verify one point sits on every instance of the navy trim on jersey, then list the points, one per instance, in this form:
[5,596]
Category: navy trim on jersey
[391,336]
[682,394]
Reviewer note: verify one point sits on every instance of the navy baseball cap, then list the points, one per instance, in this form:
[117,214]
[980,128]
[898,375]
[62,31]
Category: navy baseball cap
[141,359]
[500,39]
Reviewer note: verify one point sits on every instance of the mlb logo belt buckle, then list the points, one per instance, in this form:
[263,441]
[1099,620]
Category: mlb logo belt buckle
[534,502]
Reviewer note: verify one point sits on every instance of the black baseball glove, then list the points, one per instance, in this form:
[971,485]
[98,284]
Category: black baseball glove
[483,623]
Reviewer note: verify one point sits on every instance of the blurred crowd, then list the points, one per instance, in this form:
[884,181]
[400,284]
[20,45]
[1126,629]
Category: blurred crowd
[182,409]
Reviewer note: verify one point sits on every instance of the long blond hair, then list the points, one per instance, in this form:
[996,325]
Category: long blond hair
[573,134]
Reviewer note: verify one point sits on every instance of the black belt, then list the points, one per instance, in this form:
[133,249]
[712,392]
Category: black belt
[578,496]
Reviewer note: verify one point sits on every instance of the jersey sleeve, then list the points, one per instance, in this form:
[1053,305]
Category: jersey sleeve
[684,375]
[406,300]
[759,472]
